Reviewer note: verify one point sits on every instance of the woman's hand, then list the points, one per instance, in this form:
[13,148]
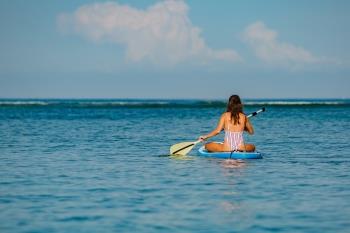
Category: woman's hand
[216,131]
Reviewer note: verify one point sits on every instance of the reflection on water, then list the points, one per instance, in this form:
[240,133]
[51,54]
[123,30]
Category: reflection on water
[229,206]
[181,157]
[233,163]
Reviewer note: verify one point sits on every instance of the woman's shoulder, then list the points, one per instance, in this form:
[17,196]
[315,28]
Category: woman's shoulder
[226,114]
[242,115]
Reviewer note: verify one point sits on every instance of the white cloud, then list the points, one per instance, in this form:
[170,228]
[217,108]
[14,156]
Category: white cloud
[266,47]
[162,33]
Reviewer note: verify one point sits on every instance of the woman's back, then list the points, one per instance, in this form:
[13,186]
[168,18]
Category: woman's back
[229,123]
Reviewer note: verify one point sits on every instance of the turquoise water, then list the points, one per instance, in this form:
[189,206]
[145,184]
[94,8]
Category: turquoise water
[101,166]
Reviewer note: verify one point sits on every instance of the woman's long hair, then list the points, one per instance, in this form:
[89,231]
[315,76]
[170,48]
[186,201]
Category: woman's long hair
[234,106]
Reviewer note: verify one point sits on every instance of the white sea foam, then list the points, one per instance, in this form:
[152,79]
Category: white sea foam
[123,103]
[166,103]
[311,102]
[23,102]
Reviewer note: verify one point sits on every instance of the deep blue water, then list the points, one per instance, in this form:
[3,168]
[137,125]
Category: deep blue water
[101,166]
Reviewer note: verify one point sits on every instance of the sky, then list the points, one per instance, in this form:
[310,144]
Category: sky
[174,49]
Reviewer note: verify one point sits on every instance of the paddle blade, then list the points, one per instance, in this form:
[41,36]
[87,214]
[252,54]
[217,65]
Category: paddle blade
[181,148]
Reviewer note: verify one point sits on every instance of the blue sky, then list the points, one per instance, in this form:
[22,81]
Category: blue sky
[174,49]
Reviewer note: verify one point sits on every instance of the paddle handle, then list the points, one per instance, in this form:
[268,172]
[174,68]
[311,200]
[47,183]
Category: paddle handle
[256,113]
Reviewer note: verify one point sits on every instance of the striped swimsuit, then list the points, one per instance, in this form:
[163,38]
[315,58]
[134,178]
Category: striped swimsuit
[233,139]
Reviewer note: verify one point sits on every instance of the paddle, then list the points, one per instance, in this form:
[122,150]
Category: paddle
[184,147]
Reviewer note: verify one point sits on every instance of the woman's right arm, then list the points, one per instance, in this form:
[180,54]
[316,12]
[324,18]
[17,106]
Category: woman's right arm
[216,131]
[248,126]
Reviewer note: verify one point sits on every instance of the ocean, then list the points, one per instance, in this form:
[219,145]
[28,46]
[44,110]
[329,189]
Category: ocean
[94,165]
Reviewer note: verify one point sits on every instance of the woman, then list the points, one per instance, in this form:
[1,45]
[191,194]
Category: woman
[234,122]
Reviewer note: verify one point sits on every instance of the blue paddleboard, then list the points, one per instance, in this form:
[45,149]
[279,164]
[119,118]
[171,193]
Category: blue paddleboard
[226,155]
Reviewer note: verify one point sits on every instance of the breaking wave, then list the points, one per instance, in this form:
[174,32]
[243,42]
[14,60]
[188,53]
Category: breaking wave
[133,103]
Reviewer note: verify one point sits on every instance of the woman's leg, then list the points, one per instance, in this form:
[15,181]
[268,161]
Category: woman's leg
[214,147]
[247,147]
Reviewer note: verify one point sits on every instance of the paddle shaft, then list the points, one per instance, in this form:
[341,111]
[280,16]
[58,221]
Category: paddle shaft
[196,142]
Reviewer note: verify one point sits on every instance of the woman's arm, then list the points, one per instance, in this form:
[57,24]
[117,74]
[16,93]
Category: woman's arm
[217,130]
[248,126]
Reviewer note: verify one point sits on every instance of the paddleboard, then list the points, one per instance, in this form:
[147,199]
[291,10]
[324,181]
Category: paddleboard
[226,155]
